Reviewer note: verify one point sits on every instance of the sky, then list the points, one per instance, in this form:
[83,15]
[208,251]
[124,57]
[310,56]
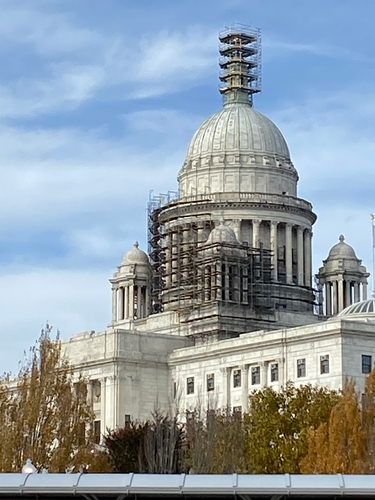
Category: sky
[98,103]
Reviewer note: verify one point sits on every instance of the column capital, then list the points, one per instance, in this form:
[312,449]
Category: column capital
[300,229]
[289,225]
[225,370]
[256,222]
[244,368]
[275,223]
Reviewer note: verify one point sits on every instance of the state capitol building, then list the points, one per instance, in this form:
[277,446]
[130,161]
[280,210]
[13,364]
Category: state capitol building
[225,301]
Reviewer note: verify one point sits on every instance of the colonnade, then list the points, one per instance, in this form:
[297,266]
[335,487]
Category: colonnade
[340,293]
[130,302]
[303,249]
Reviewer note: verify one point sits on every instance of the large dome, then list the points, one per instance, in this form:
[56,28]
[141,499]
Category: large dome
[237,128]
[238,150]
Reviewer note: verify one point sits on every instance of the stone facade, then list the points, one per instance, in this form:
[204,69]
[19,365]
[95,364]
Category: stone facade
[223,303]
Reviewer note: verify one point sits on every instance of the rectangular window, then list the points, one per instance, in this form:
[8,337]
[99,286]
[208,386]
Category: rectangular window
[366,363]
[274,372]
[255,375]
[210,382]
[301,368]
[97,432]
[237,378]
[127,420]
[190,385]
[81,434]
[324,364]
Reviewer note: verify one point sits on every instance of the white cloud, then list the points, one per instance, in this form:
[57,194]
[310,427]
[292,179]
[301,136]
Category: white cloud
[76,63]
[331,143]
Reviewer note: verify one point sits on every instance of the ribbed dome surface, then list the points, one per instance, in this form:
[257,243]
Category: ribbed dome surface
[136,256]
[222,234]
[363,307]
[237,128]
[342,251]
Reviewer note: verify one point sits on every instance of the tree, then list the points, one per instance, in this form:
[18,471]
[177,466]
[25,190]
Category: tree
[153,447]
[124,447]
[339,445]
[278,425]
[215,443]
[44,413]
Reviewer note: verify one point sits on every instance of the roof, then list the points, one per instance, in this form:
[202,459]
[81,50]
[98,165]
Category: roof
[135,256]
[237,128]
[179,485]
[365,307]
[341,250]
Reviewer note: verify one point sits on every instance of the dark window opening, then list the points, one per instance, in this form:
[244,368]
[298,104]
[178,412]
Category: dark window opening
[255,375]
[301,368]
[366,363]
[274,372]
[210,382]
[237,378]
[190,385]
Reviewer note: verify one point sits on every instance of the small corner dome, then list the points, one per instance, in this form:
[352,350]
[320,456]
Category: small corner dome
[222,234]
[363,308]
[341,251]
[237,128]
[135,256]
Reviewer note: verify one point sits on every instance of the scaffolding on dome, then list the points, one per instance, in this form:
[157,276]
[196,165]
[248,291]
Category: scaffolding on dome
[240,61]
[189,273]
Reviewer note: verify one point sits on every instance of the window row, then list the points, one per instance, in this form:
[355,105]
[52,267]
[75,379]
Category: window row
[236,378]
[274,373]
[324,366]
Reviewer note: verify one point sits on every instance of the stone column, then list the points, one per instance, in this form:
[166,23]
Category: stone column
[245,387]
[126,303]
[207,283]
[263,373]
[300,252]
[347,293]
[340,285]
[120,302]
[131,302]
[334,297]
[307,259]
[139,302]
[364,291]
[148,300]
[288,253]
[226,372]
[256,225]
[328,299]
[217,279]
[356,291]
[103,406]
[114,304]
[274,247]
[174,250]
[168,266]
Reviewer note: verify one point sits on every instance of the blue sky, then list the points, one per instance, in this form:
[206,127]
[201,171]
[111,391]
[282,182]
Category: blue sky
[98,102]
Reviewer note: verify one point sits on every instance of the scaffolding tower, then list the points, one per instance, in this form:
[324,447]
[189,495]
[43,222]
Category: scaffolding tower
[240,63]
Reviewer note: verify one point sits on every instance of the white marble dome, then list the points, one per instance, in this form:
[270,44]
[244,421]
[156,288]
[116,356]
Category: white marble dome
[222,234]
[238,150]
[237,128]
[135,256]
[341,251]
[363,308]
